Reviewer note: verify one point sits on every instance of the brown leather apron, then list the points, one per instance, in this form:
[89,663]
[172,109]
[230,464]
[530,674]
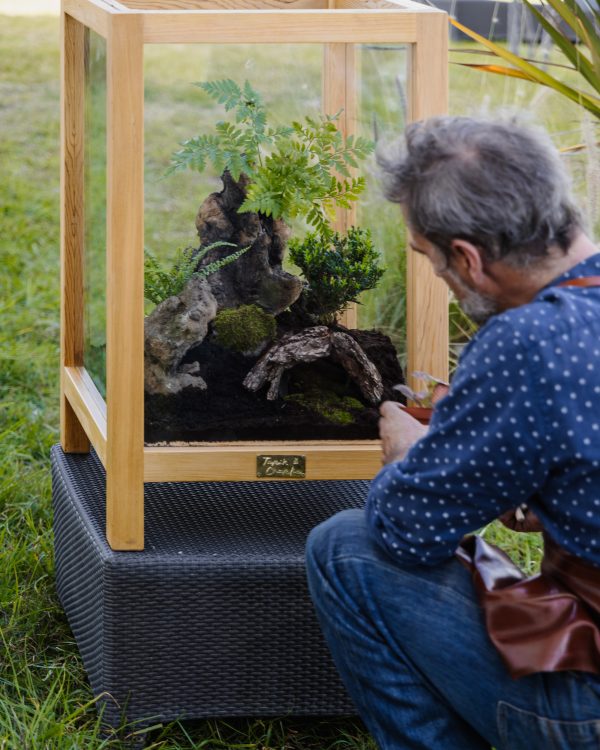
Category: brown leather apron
[549,622]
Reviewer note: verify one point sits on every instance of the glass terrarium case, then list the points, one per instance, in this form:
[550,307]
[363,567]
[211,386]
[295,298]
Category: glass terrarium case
[236,301]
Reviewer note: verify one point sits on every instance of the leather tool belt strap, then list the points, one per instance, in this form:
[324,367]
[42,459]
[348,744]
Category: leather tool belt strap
[549,622]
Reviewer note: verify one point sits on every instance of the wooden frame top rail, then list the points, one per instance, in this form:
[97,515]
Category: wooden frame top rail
[161,6]
[150,5]
[364,25]
[287,27]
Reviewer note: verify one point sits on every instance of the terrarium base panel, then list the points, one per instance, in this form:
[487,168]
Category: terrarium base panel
[213,618]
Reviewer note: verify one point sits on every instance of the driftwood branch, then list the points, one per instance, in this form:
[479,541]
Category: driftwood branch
[307,346]
[356,363]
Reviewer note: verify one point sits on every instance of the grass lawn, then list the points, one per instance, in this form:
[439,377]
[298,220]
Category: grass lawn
[45,701]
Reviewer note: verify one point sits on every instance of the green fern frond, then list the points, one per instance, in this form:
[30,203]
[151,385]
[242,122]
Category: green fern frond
[291,169]
[222,262]
[225,92]
[162,282]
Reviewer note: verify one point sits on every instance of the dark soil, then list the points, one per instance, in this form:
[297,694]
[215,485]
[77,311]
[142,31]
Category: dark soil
[227,411]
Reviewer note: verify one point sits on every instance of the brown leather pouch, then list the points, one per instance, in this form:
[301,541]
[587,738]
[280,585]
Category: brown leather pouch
[546,623]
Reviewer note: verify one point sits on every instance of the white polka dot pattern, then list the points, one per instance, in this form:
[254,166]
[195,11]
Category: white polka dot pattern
[521,423]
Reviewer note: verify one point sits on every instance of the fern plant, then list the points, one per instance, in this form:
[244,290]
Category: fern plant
[298,170]
[337,268]
[161,282]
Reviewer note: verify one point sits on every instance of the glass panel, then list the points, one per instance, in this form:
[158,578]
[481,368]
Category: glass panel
[382,117]
[203,377]
[95,210]
[288,77]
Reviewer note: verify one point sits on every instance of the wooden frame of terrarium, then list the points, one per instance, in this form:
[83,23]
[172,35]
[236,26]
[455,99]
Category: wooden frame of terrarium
[116,427]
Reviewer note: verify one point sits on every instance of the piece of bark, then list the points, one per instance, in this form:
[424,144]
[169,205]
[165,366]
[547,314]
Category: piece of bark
[356,363]
[307,346]
[379,349]
[175,326]
[257,277]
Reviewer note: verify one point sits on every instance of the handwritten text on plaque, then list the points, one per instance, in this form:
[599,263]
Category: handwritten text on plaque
[290,467]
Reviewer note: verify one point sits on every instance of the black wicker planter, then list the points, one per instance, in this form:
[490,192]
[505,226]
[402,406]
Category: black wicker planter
[213,618]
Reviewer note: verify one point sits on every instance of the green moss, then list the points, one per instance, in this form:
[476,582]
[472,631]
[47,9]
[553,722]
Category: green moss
[352,403]
[309,379]
[244,328]
[328,405]
[338,416]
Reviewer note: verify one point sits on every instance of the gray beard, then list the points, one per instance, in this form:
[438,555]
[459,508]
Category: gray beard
[478,307]
[474,304]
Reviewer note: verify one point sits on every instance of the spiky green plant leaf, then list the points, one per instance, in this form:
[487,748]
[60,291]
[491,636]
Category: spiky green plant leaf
[584,56]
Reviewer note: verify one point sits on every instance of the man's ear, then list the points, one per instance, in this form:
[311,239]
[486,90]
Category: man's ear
[467,261]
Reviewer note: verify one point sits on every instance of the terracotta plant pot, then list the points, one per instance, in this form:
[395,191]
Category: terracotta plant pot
[422,413]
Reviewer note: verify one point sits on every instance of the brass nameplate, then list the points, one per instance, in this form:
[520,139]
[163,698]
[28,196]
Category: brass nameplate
[290,467]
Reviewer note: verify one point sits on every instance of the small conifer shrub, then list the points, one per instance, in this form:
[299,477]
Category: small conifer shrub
[337,268]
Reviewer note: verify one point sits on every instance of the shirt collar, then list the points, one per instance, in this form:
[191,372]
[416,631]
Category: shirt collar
[588,267]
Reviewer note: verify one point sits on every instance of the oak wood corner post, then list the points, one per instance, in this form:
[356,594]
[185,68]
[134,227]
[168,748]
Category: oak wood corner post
[427,326]
[72,435]
[125,284]
[339,95]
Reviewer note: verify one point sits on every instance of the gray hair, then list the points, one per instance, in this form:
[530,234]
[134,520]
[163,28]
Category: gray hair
[496,184]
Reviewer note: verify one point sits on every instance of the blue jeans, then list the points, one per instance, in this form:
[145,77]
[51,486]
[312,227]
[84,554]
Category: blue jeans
[411,647]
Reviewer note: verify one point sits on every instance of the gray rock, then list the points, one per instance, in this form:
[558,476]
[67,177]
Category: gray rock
[170,331]
[257,277]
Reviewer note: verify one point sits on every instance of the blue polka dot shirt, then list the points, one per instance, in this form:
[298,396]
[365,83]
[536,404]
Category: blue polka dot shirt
[520,424]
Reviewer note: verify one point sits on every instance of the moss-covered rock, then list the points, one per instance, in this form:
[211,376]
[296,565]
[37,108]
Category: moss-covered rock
[328,404]
[244,329]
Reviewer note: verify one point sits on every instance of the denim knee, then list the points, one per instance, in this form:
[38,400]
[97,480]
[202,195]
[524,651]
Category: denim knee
[333,538]
[344,535]
[338,535]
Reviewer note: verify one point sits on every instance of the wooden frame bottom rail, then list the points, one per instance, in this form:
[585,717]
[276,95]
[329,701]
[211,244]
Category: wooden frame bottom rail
[219,462]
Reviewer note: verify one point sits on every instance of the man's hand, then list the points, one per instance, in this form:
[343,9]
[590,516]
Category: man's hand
[398,431]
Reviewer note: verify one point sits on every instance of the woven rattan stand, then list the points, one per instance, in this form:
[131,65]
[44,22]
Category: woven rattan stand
[213,618]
